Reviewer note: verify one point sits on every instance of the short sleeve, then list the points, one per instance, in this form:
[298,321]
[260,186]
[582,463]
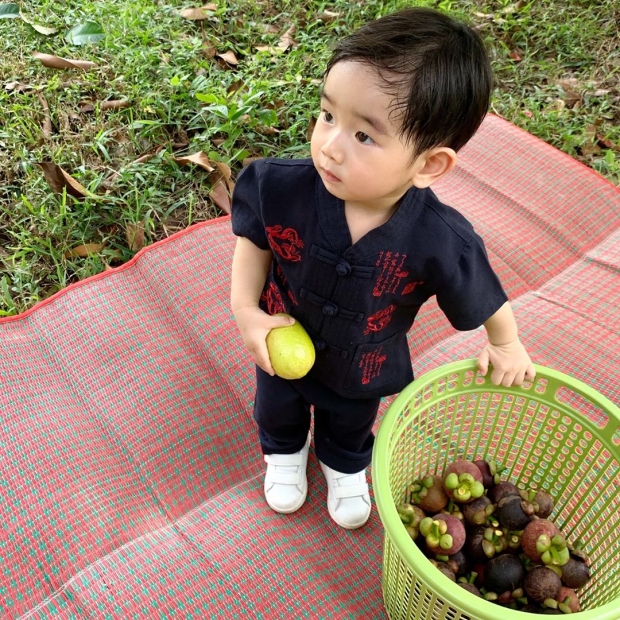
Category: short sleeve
[246,207]
[473,293]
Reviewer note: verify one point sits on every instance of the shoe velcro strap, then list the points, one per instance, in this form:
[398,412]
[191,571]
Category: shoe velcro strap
[283,478]
[286,460]
[356,490]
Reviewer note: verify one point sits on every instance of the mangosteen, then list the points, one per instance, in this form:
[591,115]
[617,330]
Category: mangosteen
[541,583]
[504,573]
[478,511]
[542,542]
[543,504]
[444,534]
[428,493]
[513,512]
[575,573]
[474,548]
[568,598]
[501,490]
[470,587]
[445,569]
[463,481]
[462,563]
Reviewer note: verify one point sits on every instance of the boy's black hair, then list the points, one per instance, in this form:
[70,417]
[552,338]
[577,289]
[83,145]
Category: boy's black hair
[436,68]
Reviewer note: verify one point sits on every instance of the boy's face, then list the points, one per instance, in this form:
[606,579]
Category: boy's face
[355,146]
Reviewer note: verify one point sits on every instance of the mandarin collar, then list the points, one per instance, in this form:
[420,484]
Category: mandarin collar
[333,222]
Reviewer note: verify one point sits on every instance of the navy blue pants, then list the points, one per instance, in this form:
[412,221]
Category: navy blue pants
[343,437]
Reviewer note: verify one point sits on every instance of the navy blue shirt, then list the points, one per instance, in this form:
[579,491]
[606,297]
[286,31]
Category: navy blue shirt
[358,301]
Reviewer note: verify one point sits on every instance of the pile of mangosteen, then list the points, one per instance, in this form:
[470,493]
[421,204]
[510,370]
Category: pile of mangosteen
[495,540]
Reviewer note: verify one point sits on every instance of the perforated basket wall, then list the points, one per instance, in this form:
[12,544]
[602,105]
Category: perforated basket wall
[556,433]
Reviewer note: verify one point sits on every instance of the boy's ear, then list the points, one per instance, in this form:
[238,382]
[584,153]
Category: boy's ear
[432,165]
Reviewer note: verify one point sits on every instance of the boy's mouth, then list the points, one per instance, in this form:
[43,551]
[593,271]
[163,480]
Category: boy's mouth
[332,178]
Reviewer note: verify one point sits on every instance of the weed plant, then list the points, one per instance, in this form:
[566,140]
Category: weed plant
[557,75]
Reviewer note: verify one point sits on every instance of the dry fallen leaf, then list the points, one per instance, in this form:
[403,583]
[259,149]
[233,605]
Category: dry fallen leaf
[47,121]
[20,87]
[286,40]
[56,62]
[209,50]
[199,13]
[248,160]
[223,173]
[220,197]
[229,57]
[82,251]
[114,104]
[135,236]
[60,180]
[200,159]
[328,16]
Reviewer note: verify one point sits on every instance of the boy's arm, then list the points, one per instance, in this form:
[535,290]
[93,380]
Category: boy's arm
[249,272]
[511,363]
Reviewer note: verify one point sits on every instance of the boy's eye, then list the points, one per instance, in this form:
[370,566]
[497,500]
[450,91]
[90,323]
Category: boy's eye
[364,138]
[327,117]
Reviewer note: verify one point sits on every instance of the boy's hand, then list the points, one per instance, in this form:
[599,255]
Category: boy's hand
[254,325]
[511,363]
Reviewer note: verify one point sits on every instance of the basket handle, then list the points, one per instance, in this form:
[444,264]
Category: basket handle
[584,401]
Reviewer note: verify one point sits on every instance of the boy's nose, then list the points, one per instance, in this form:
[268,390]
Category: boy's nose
[332,148]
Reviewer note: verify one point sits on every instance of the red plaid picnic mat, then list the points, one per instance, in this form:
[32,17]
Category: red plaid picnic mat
[131,476]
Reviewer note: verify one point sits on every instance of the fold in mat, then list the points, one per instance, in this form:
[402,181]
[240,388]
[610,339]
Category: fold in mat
[130,470]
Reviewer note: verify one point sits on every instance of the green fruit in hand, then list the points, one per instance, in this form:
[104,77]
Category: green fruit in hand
[291,351]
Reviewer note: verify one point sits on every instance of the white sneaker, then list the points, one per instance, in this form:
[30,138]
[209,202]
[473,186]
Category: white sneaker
[286,485]
[348,499]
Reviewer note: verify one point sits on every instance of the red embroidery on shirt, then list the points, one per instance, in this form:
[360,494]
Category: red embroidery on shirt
[379,319]
[410,287]
[284,281]
[271,296]
[371,365]
[285,242]
[392,272]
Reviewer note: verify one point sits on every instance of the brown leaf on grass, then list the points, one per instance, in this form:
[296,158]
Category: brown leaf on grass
[114,104]
[229,57]
[200,159]
[327,17]
[223,173]
[209,50]
[135,236]
[47,121]
[219,195]
[60,180]
[148,155]
[18,87]
[199,13]
[286,40]
[236,86]
[248,160]
[56,62]
[82,251]
[86,108]
[570,88]
[222,186]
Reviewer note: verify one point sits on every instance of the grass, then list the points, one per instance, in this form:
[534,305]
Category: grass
[557,66]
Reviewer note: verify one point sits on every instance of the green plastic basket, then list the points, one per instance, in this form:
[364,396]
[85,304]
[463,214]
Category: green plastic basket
[555,433]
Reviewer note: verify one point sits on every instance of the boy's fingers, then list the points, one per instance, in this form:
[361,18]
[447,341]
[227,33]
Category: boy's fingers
[530,373]
[281,321]
[483,363]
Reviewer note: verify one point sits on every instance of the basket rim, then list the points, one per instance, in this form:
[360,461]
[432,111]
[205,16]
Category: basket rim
[439,583]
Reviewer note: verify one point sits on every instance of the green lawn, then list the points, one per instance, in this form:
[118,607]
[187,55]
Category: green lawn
[557,70]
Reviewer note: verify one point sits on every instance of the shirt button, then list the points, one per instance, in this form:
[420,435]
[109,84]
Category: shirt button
[320,345]
[330,310]
[343,268]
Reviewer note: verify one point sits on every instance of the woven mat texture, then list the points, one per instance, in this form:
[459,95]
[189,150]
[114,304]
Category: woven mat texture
[130,471]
